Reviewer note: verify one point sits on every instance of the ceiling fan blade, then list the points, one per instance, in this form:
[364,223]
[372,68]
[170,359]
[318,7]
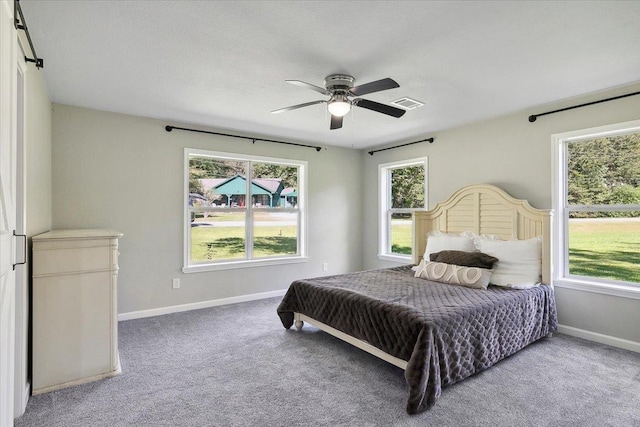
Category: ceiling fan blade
[376,86]
[295,107]
[380,108]
[309,86]
[336,122]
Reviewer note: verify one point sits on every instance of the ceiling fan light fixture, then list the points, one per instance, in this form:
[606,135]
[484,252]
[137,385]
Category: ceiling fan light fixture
[339,105]
[341,91]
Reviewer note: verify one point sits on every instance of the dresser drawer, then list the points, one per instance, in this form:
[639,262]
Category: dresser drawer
[73,260]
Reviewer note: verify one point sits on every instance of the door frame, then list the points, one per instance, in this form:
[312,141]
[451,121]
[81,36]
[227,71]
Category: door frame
[22,384]
[8,85]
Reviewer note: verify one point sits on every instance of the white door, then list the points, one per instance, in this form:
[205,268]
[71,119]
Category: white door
[7,209]
[21,362]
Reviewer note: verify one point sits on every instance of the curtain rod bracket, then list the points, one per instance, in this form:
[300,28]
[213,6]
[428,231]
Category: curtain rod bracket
[38,61]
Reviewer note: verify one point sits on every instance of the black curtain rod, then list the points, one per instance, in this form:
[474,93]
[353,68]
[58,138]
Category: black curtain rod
[534,117]
[21,24]
[401,145]
[170,128]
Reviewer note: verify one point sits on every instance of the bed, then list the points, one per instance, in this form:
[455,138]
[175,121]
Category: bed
[443,322]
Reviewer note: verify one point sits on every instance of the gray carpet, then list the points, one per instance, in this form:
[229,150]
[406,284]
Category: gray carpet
[236,365]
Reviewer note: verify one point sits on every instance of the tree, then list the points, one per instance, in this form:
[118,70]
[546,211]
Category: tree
[287,174]
[625,195]
[407,187]
[604,171]
[203,167]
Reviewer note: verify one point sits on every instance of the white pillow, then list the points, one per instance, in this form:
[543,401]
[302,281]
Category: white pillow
[438,241]
[519,263]
[477,237]
[471,277]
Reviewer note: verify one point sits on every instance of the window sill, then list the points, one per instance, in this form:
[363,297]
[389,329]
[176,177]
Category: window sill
[396,258]
[613,289]
[199,268]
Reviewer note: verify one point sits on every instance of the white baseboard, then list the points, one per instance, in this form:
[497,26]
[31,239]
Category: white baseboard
[601,338]
[197,305]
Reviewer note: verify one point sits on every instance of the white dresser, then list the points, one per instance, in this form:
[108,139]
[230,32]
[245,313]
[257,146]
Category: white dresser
[75,324]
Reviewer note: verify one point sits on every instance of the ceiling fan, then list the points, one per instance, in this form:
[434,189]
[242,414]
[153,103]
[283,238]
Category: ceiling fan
[340,89]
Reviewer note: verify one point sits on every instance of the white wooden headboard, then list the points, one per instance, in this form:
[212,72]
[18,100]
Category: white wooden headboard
[486,209]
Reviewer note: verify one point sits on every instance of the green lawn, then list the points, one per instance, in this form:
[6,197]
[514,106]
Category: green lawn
[401,237]
[603,248]
[227,243]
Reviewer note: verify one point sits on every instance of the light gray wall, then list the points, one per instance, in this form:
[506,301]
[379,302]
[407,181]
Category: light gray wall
[515,155]
[126,173]
[37,154]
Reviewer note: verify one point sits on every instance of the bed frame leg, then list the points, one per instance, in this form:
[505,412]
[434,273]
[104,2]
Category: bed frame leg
[299,322]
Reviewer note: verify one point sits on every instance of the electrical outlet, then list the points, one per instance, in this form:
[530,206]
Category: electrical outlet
[176,283]
[325,266]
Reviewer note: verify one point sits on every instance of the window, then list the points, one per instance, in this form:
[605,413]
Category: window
[242,210]
[402,189]
[597,201]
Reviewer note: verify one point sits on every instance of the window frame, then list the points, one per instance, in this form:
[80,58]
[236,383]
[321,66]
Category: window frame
[249,261]
[385,211]
[561,276]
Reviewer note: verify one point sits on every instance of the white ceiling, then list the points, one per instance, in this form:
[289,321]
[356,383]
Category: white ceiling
[224,64]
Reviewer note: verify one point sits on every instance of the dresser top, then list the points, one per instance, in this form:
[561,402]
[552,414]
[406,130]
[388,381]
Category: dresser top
[85,233]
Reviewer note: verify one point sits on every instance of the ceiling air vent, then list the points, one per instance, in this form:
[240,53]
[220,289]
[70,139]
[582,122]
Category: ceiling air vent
[407,103]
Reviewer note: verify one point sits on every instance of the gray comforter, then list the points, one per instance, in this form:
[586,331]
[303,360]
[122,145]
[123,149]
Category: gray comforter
[445,332]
